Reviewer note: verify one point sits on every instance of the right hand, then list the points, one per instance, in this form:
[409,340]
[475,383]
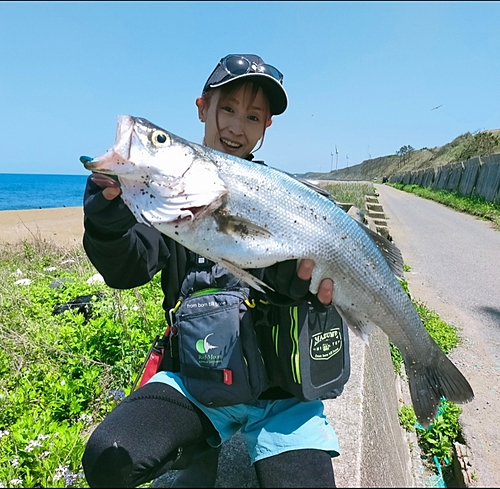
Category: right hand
[105,213]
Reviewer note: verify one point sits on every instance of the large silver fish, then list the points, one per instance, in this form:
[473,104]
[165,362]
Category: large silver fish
[244,215]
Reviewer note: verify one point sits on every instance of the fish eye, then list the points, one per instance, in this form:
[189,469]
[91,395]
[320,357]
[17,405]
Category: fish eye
[159,138]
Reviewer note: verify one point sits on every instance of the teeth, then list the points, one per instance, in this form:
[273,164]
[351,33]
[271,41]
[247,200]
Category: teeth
[230,143]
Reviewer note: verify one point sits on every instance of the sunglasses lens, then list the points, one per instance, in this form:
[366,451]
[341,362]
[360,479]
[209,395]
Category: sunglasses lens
[270,70]
[236,65]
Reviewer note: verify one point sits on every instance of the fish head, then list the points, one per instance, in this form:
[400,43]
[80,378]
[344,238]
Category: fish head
[142,148]
[163,177]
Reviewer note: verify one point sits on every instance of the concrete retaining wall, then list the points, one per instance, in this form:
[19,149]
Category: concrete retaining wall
[478,176]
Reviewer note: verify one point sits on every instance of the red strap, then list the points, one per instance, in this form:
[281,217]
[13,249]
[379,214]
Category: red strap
[151,366]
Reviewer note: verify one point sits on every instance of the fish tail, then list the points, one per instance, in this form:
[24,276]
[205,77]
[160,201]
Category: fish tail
[430,382]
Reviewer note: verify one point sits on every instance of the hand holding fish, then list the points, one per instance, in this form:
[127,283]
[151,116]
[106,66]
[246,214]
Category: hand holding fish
[325,291]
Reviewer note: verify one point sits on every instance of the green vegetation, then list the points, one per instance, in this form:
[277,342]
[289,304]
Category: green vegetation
[350,192]
[475,206]
[438,439]
[60,374]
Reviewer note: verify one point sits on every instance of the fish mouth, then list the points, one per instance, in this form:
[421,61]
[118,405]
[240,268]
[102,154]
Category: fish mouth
[118,157]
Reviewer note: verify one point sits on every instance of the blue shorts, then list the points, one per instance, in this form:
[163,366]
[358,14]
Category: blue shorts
[269,427]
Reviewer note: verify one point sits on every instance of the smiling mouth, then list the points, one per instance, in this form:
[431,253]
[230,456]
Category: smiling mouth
[230,144]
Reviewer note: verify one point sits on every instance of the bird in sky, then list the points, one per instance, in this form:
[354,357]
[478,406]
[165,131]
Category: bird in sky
[437,107]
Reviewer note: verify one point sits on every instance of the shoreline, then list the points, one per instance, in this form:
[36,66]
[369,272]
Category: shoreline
[62,225]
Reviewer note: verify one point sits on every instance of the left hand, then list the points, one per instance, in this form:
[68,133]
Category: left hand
[325,291]
[292,281]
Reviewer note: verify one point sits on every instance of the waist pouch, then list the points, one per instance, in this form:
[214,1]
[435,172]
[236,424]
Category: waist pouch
[310,358]
[219,355]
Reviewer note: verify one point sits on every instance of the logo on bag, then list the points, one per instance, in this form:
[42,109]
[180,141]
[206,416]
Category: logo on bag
[205,358]
[203,346]
[324,346]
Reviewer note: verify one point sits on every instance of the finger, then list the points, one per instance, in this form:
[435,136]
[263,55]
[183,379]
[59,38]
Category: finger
[104,181]
[110,193]
[325,291]
[305,269]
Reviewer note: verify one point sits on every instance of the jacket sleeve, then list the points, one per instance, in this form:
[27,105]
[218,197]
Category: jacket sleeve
[130,260]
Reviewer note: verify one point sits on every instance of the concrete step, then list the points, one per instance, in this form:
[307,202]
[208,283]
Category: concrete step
[376,215]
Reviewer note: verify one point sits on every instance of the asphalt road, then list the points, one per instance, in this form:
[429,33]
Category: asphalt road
[455,271]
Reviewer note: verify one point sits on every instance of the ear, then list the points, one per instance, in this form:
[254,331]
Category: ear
[269,122]
[202,108]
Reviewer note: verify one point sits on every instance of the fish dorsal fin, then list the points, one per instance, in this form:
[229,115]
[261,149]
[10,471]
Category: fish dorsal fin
[389,250]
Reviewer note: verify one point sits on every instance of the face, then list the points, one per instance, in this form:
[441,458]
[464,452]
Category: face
[236,124]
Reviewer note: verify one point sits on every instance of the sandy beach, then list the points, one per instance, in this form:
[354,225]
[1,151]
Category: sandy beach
[63,225]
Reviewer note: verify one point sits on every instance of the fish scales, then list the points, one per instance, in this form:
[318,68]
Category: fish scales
[245,215]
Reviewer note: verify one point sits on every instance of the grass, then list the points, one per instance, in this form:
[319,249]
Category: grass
[60,374]
[350,192]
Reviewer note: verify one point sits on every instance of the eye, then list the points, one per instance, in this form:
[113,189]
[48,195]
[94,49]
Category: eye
[160,138]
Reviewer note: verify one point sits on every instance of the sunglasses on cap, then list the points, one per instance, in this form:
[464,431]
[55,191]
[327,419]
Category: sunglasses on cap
[239,65]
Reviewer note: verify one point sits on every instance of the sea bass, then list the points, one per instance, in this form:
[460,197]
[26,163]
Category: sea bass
[244,215]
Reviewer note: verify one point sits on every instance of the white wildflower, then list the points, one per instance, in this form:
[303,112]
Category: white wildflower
[32,444]
[15,482]
[15,461]
[86,418]
[49,269]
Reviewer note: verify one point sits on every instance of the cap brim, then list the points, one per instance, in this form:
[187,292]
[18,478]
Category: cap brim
[278,98]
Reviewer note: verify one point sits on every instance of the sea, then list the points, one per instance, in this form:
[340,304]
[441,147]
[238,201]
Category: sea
[38,191]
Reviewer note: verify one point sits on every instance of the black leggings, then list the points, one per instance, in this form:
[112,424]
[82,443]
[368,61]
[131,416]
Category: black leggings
[140,440]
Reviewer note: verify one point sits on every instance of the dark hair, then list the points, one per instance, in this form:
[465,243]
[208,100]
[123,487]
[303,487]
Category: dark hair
[230,88]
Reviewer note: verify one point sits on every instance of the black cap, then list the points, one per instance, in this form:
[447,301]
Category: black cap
[271,84]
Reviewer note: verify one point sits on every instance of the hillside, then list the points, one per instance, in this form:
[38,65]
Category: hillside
[407,158]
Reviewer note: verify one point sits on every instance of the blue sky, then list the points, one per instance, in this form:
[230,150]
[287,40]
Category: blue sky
[362,76]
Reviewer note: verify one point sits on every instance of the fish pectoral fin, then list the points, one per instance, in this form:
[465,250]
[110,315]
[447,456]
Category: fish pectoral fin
[247,277]
[238,226]
[389,250]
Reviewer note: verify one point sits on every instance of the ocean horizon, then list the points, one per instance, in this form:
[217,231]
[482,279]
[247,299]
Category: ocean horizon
[19,191]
